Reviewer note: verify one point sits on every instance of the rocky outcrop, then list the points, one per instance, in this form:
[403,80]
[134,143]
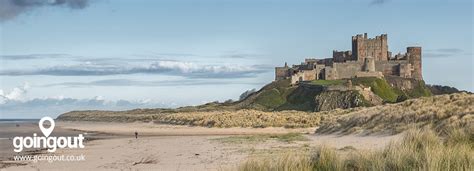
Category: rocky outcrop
[330,100]
[402,83]
[368,95]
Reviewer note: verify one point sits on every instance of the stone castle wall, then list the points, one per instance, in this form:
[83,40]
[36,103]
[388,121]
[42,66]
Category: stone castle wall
[281,73]
[392,67]
[303,75]
[350,68]
[347,69]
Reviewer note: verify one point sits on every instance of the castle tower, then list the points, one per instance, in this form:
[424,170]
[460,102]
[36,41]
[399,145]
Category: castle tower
[414,58]
[358,47]
[376,47]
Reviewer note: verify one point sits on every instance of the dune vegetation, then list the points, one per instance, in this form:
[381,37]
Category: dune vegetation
[437,131]
[437,112]
[244,118]
[418,150]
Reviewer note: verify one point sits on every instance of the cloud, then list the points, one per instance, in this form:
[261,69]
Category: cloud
[17,93]
[174,54]
[10,9]
[443,53]
[167,67]
[450,50]
[128,82]
[378,2]
[33,56]
[94,102]
[241,54]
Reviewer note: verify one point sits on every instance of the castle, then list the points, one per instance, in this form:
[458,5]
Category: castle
[369,58]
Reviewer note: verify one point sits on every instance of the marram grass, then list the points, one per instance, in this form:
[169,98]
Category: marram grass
[418,150]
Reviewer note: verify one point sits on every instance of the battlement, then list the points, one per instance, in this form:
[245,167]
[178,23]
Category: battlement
[342,56]
[364,37]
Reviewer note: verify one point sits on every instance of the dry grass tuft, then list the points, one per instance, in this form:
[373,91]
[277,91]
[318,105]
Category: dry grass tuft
[286,162]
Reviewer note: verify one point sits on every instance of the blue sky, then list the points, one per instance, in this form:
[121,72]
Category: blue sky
[122,54]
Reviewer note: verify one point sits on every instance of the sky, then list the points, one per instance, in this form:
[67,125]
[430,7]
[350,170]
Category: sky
[58,56]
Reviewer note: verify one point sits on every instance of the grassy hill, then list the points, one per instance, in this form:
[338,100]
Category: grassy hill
[280,95]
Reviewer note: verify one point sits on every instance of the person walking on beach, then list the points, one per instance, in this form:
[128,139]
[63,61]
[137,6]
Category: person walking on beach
[136,134]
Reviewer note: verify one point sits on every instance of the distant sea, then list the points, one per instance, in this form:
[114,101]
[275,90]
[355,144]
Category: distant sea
[10,128]
[18,120]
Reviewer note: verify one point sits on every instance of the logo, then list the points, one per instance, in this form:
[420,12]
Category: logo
[51,143]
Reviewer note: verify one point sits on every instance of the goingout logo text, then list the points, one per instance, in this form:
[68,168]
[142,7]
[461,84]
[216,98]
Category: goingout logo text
[52,143]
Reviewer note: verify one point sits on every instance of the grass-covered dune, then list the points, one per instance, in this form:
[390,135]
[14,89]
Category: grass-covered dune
[418,150]
[439,112]
[248,118]
[221,119]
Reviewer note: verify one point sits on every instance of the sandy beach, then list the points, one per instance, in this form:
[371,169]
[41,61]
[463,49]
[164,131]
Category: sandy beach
[169,147]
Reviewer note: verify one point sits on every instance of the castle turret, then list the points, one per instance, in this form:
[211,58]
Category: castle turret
[414,58]
[282,72]
[368,69]
[369,65]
